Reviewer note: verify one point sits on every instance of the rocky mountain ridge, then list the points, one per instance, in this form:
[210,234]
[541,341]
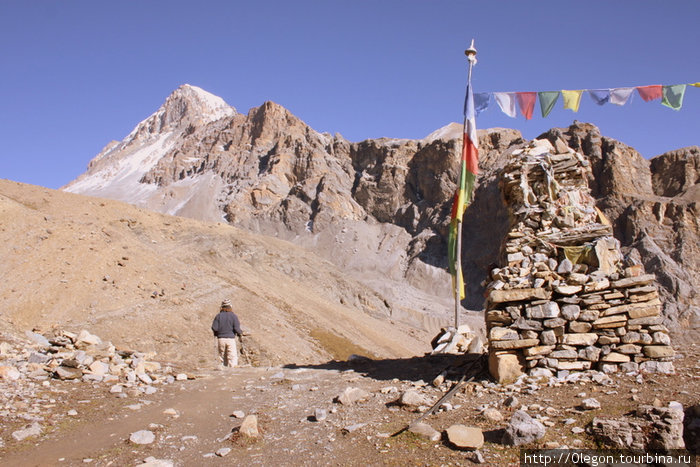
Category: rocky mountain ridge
[379,208]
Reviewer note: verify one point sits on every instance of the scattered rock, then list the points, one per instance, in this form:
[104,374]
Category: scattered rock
[424,430]
[142,437]
[223,451]
[352,395]
[413,398]
[492,415]
[590,404]
[522,429]
[320,415]
[249,427]
[32,430]
[153,462]
[465,437]
[9,373]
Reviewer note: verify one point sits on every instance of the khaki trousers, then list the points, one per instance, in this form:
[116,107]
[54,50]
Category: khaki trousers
[228,353]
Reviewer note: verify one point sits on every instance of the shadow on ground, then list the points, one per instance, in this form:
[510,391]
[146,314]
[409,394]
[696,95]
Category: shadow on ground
[425,368]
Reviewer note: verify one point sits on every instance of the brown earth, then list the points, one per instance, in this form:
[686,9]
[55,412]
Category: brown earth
[154,282]
[284,400]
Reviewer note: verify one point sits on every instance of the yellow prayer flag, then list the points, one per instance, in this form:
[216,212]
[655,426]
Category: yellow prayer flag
[697,85]
[572,99]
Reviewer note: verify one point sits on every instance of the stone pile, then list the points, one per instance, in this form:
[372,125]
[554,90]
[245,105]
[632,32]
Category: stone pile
[31,367]
[451,340]
[564,298]
[69,356]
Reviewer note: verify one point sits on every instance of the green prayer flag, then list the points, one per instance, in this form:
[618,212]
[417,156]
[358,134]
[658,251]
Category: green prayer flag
[547,101]
[673,96]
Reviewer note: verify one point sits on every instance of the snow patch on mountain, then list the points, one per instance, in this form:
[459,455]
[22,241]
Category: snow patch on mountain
[120,179]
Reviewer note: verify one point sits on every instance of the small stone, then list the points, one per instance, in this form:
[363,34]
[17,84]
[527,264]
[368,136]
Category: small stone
[354,427]
[238,414]
[352,395]
[181,377]
[511,401]
[424,430]
[492,415]
[475,457]
[65,373]
[153,462]
[522,429]
[9,373]
[320,415]
[412,398]
[465,437]
[249,427]
[142,437]
[222,452]
[32,430]
[590,404]
[565,267]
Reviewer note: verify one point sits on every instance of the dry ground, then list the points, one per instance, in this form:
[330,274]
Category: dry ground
[284,400]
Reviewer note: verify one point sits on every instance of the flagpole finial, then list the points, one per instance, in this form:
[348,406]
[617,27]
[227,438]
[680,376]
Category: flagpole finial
[471,53]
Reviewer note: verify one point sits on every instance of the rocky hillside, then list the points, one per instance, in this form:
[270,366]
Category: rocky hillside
[379,208]
[153,282]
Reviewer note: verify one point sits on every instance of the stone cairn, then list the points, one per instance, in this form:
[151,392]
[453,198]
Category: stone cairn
[564,299]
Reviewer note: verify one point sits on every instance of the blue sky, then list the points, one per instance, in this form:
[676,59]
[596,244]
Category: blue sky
[77,74]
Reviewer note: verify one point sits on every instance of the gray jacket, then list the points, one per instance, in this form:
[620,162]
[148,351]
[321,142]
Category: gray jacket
[226,325]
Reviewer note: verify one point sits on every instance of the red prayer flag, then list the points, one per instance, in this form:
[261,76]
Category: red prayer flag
[649,93]
[526,102]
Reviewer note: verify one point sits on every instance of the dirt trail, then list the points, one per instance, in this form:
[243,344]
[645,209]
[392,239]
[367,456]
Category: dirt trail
[285,398]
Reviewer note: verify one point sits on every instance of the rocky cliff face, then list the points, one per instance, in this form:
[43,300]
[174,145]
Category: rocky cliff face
[380,208]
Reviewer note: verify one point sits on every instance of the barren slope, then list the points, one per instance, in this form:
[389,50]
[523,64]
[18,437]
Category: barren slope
[151,281]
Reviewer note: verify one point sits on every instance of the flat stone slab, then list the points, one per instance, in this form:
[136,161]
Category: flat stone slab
[465,437]
[517,295]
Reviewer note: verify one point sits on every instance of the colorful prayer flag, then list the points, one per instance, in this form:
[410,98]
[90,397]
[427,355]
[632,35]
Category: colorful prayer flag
[506,101]
[650,93]
[547,101]
[620,96]
[469,167]
[526,102]
[572,99]
[481,101]
[697,85]
[673,96]
[599,96]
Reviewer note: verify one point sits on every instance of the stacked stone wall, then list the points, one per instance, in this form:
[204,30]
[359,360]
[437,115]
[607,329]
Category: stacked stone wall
[564,298]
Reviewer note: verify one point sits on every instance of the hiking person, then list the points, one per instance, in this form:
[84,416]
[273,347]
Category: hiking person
[226,327]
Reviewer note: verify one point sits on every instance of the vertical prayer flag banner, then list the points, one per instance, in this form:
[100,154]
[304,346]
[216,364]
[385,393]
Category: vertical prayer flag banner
[572,99]
[673,96]
[526,102]
[650,93]
[469,167]
[506,101]
[547,101]
[620,96]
